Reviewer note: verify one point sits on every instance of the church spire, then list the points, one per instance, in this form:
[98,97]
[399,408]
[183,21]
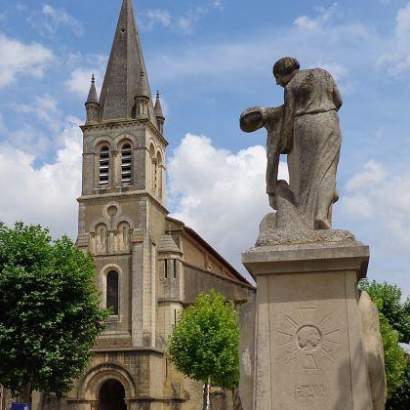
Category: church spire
[92,106]
[92,95]
[159,115]
[123,75]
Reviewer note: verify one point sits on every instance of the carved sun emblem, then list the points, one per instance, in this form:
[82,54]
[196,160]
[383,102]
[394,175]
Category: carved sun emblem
[308,338]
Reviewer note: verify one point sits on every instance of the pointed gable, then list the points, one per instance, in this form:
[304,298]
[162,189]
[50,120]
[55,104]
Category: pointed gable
[126,62]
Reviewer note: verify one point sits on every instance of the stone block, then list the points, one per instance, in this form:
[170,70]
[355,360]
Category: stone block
[309,350]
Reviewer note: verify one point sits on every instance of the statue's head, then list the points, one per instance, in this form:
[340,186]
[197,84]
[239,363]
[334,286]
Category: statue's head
[284,69]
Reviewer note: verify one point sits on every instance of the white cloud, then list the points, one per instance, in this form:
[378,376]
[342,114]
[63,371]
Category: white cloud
[383,196]
[377,203]
[396,55]
[325,15]
[219,193]
[306,23]
[373,173]
[151,18]
[187,22]
[403,21]
[46,109]
[17,59]
[80,80]
[333,45]
[50,19]
[45,195]
[358,205]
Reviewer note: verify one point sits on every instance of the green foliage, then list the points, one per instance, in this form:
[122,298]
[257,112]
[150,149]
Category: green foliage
[400,399]
[205,342]
[387,298]
[49,310]
[395,329]
[394,356]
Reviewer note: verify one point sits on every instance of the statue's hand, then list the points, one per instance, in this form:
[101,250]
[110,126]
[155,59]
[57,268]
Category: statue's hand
[253,119]
[273,202]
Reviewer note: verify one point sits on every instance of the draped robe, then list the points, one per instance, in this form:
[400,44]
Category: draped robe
[311,137]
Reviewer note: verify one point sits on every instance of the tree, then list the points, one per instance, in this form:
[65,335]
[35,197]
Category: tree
[395,329]
[394,356]
[387,298]
[205,343]
[400,399]
[49,311]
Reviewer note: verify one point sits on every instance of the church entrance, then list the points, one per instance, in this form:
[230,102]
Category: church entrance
[112,396]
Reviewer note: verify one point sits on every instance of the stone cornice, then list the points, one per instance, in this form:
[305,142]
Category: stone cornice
[123,123]
[136,193]
[129,349]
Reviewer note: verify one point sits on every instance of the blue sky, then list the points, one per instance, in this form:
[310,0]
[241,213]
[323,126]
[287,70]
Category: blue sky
[210,60]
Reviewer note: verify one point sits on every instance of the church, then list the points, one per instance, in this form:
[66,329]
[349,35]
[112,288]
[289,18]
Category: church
[149,266]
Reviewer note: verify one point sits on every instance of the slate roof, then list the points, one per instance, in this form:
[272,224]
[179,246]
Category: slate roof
[92,95]
[167,244]
[126,63]
[158,108]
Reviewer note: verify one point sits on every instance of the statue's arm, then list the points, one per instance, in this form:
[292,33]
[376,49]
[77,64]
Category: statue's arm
[255,118]
[288,121]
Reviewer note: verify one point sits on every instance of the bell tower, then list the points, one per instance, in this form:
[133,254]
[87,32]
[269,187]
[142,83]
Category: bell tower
[149,266]
[122,206]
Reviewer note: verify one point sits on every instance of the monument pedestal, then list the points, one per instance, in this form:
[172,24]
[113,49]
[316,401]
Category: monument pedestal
[309,350]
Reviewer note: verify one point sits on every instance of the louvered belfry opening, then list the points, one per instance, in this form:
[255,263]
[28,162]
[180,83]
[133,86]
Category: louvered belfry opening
[126,164]
[104,165]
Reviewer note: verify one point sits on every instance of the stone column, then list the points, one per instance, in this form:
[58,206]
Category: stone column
[309,351]
[116,170]
[137,275]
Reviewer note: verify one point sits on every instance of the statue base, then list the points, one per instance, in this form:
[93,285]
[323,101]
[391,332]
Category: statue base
[277,229]
[309,349]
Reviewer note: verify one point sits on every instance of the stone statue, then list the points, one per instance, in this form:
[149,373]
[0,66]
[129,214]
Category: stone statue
[306,129]
[317,346]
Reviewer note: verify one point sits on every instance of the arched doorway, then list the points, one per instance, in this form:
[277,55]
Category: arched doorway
[112,396]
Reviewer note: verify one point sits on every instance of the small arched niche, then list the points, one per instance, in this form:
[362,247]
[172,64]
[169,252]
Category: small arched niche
[101,238]
[123,237]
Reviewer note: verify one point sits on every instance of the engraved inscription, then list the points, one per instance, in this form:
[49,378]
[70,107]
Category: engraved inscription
[310,391]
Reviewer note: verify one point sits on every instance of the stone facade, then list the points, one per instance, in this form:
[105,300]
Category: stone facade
[149,266]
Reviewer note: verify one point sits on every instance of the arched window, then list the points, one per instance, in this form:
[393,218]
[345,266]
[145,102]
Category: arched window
[126,163]
[112,292]
[104,165]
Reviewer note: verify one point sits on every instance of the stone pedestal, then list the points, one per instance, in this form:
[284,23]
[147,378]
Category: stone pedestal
[309,350]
